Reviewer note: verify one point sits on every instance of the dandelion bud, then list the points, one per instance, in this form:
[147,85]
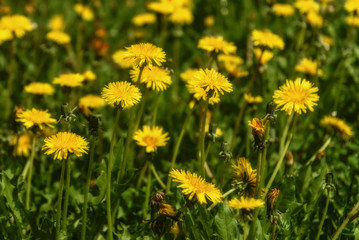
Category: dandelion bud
[157,200]
[225,152]
[270,112]
[93,124]
[258,130]
[271,202]
[329,182]
[289,159]
[320,155]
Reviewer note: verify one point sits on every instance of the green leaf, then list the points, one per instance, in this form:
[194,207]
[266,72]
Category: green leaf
[225,223]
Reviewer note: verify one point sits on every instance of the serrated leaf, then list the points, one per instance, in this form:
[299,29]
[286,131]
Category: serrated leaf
[225,223]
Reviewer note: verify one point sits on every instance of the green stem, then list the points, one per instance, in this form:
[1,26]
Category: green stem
[142,173]
[155,109]
[163,33]
[108,180]
[10,79]
[272,237]
[29,177]
[79,44]
[264,157]
[148,192]
[285,132]
[324,215]
[66,200]
[348,219]
[177,146]
[321,149]
[140,112]
[202,140]
[226,194]
[153,169]
[237,124]
[59,199]
[87,187]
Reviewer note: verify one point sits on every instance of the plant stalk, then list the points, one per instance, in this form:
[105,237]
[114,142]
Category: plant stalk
[29,177]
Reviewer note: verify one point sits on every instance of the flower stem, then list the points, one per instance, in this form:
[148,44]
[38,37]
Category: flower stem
[272,237]
[29,177]
[153,169]
[163,33]
[238,123]
[155,109]
[66,200]
[142,173]
[321,149]
[177,146]
[140,112]
[348,219]
[285,132]
[10,79]
[148,192]
[59,199]
[324,215]
[108,180]
[202,140]
[87,187]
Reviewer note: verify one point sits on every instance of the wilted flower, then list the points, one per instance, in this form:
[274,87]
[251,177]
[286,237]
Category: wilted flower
[151,138]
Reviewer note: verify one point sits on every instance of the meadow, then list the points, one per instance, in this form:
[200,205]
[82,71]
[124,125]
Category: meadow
[179,119]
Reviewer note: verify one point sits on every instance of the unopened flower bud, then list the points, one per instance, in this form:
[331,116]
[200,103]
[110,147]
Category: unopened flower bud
[289,159]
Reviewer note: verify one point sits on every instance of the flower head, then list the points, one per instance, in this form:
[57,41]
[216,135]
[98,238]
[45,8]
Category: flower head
[39,88]
[296,96]
[283,10]
[121,94]
[143,19]
[308,66]
[231,62]
[251,99]
[64,143]
[151,138]
[22,145]
[143,54]
[245,176]
[272,198]
[162,7]
[156,78]
[351,6]
[306,6]
[69,80]
[194,185]
[258,128]
[84,12]
[263,56]
[90,101]
[5,35]
[118,58]
[338,126]
[17,25]
[57,23]
[58,37]
[188,74]
[352,21]
[266,38]
[199,93]
[216,44]
[181,16]
[245,203]
[315,19]
[89,75]
[167,210]
[35,118]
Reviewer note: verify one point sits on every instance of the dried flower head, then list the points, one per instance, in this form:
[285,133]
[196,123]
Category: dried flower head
[216,44]
[151,138]
[245,203]
[121,94]
[39,88]
[296,96]
[144,54]
[194,185]
[338,126]
[64,143]
[36,118]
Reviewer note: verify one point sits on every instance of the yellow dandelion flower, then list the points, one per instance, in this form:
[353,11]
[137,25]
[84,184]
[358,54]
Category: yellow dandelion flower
[57,23]
[84,12]
[336,125]
[238,72]
[306,6]
[144,54]
[245,203]
[39,88]
[69,80]
[167,210]
[89,75]
[315,19]
[118,58]
[216,44]
[144,19]
[218,132]
[231,62]
[121,94]
[243,173]
[188,74]
[266,38]
[151,138]
[5,35]
[162,7]
[18,25]
[209,21]
[64,143]
[326,40]
[251,99]
[194,185]
[35,118]
[351,6]
[264,56]
[175,229]
[58,37]
[352,21]
[181,16]
[23,144]
[90,101]
[308,66]
[283,10]
[257,126]
[296,96]
[156,78]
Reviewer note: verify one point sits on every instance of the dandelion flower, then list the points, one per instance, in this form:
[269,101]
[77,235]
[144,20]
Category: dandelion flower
[151,138]
[167,210]
[118,58]
[58,37]
[209,21]
[18,25]
[216,44]
[263,56]
[89,75]
[352,21]
[69,80]
[22,144]
[251,99]
[144,19]
[338,126]
[296,96]
[194,185]
[5,35]
[306,6]
[181,16]
[57,23]
[315,19]
[308,66]
[351,6]
[283,10]
[90,101]
[199,93]
[188,74]
[35,117]
[144,54]
[39,88]
[245,175]
[121,94]
[162,7]
[64,143]
[245,203]
[156,78]
[267,39]
[257,126]
[84,12]
[231,62]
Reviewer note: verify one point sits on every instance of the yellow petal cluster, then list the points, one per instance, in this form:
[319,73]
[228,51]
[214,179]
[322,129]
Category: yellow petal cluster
[121,94]
[58,37]
[144,19]
[57,23]
[39,88]
[308,66]
[216,44]
[144,54]
[283,10]
[156,78]
[22,144]
[265,38]
[84,12]
[69,80]
[245,203]
[16,25]
[151,138]
[264,56]
[306,6]
[336,125]
[35,117]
